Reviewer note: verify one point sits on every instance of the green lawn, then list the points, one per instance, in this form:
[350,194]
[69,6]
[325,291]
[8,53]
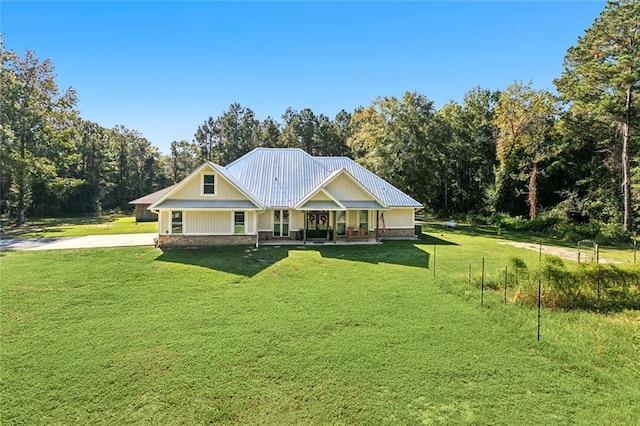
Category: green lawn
[339,335]
[78,227]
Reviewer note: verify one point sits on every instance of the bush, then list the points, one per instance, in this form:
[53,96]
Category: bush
[591,287]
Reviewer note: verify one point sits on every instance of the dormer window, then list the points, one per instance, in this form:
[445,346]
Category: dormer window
[208,184]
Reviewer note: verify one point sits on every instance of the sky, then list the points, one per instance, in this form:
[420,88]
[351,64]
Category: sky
[163,68]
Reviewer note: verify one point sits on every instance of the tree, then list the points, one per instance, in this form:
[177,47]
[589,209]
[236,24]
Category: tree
[35,119]
[182,160]
[602,76]
[524,118]
[402,141]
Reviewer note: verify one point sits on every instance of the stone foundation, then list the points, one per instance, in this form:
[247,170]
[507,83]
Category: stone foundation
[268,236]
[205,240]
[398,234]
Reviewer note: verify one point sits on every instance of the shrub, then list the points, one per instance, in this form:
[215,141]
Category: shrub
[591,287]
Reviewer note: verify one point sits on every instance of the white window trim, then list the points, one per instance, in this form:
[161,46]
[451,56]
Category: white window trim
[181,221]
[215,184]
[233,222]
[281,223]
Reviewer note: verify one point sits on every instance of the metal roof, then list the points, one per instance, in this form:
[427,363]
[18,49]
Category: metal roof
[282,177]
[382,189]
[207,204]
[366,205]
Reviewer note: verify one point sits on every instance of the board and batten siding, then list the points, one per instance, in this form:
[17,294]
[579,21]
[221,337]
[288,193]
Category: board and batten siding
[192,190]
[399,218]
[343,188]
[164,222]
[201,222]
[264,220]
[296,220]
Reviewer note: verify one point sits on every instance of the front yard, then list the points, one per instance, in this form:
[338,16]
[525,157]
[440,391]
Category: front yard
[339,335]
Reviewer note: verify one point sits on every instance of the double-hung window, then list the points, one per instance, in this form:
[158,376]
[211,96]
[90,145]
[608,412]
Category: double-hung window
[208,184]
[238,223]
[364,222]
[176,222]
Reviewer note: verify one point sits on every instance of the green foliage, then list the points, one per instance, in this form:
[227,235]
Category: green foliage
[590,286]
[602,78]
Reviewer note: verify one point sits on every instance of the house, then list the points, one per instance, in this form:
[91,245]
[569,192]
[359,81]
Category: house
[141,205]
[277,194]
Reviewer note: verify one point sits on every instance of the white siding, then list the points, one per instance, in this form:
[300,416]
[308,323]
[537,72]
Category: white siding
[264,220]
[399,218]
[320,196]
[207,222]
[296,220]
[164,222]
[192,190]
[344,188]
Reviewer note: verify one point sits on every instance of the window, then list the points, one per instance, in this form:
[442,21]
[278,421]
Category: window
[208,184]
[176,222]
[364,222]
[238,222]
[281,223]
[341,223]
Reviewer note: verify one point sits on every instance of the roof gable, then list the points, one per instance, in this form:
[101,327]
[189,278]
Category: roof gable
[181,189]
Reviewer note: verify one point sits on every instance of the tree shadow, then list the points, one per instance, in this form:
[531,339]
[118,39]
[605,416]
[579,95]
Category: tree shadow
[249,261]
[404,253]
[240,260]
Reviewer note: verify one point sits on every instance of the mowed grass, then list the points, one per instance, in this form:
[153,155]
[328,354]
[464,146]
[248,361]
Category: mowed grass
[320,335]
[79,227]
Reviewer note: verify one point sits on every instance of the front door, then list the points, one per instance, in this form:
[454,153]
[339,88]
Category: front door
[318,225]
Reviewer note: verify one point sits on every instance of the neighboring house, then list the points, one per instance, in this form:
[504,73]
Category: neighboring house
[141,209]
[282,194]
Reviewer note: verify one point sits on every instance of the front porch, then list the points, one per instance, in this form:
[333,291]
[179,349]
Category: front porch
[300,243]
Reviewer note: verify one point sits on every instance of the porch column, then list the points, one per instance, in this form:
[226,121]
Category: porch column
[334,224]
[304,229]
[377,224]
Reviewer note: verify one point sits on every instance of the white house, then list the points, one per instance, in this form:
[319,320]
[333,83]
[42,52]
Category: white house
[282,194]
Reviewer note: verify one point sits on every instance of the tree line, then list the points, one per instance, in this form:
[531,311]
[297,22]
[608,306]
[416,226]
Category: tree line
[519,150]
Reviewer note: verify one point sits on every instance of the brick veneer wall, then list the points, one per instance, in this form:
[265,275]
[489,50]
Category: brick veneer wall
[205,240]
[397,234]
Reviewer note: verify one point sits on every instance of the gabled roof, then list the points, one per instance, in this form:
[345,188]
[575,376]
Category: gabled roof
[288,177]
[222,172]
[153,197]
[383,190]
[282,177]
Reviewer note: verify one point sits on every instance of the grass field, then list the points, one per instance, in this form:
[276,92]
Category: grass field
[276,335]
[78,227]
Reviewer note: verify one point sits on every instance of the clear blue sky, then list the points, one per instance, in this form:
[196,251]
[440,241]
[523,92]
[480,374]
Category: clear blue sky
[163,68]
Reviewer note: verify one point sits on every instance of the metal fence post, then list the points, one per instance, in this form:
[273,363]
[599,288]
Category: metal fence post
[482,285]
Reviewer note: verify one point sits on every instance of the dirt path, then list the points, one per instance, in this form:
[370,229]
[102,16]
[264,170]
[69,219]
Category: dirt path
[586,254]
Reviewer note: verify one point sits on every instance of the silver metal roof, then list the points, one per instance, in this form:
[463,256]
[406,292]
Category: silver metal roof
[382,189]
[282,177]
[207,204]
[368,205]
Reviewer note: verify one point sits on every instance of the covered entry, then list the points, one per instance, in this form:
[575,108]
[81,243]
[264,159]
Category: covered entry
[318,225]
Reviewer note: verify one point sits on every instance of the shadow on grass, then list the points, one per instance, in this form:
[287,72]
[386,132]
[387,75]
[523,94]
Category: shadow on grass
[36,228]
[251,261]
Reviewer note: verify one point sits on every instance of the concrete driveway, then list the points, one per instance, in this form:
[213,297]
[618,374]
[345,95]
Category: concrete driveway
[89,241]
